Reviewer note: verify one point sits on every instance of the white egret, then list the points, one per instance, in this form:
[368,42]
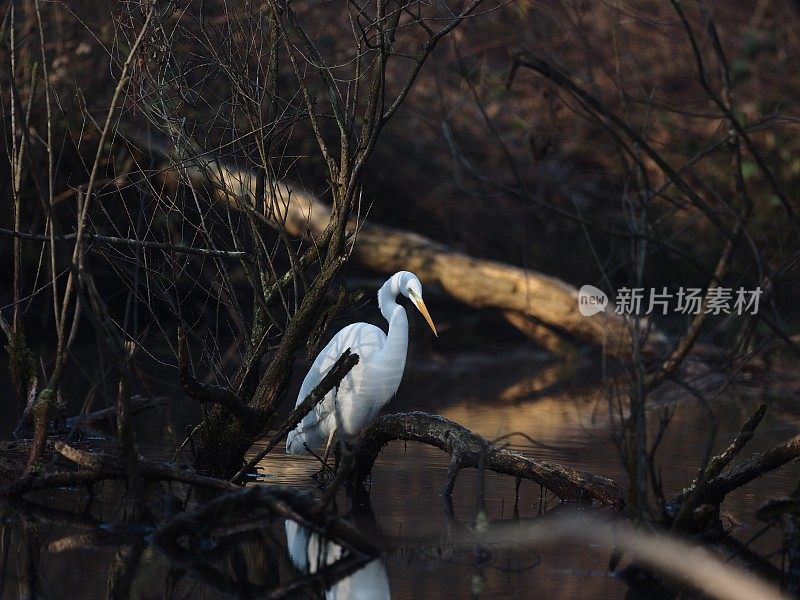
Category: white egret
[372,382]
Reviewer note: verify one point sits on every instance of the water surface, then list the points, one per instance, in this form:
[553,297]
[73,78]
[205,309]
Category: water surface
[564,408]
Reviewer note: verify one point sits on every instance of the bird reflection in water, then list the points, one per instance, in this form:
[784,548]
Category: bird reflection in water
[308,550]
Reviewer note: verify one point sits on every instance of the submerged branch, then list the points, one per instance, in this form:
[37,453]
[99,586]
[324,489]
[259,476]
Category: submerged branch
[689,499]
[694,505]
[717,464]
[754,467]
[468,449]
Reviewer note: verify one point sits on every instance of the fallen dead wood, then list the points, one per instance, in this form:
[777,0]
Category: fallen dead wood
[697,507]
[713,485]
[754,467]
[104,418]
[538,304]
[95,465]
[689,499]
[467,449]
[108,416]
[14,454]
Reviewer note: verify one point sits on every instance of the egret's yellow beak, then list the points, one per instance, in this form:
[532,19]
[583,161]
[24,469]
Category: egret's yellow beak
[420,304]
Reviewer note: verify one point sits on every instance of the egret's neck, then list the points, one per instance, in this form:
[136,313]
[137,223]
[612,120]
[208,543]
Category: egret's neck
[397,337]
[387,299]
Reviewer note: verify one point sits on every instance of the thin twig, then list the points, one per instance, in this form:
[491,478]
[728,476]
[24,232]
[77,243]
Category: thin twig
[118,241]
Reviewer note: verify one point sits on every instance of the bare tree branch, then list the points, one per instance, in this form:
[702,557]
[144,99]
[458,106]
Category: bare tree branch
[212,394]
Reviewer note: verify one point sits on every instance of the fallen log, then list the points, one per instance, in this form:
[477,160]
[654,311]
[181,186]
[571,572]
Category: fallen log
[95,466]
[537,304]
[107,417]
[468,449]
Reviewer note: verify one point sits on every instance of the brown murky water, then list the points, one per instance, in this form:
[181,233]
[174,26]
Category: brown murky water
[571,422]
[563,408]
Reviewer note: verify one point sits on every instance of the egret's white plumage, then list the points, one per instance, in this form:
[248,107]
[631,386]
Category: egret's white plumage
[372,382]
[308,551]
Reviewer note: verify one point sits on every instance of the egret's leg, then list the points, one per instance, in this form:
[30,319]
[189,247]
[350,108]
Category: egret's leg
[337,457]
[328,448]
[319,477]
[314,454]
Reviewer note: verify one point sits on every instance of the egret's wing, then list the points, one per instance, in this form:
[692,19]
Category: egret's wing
[363,339]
